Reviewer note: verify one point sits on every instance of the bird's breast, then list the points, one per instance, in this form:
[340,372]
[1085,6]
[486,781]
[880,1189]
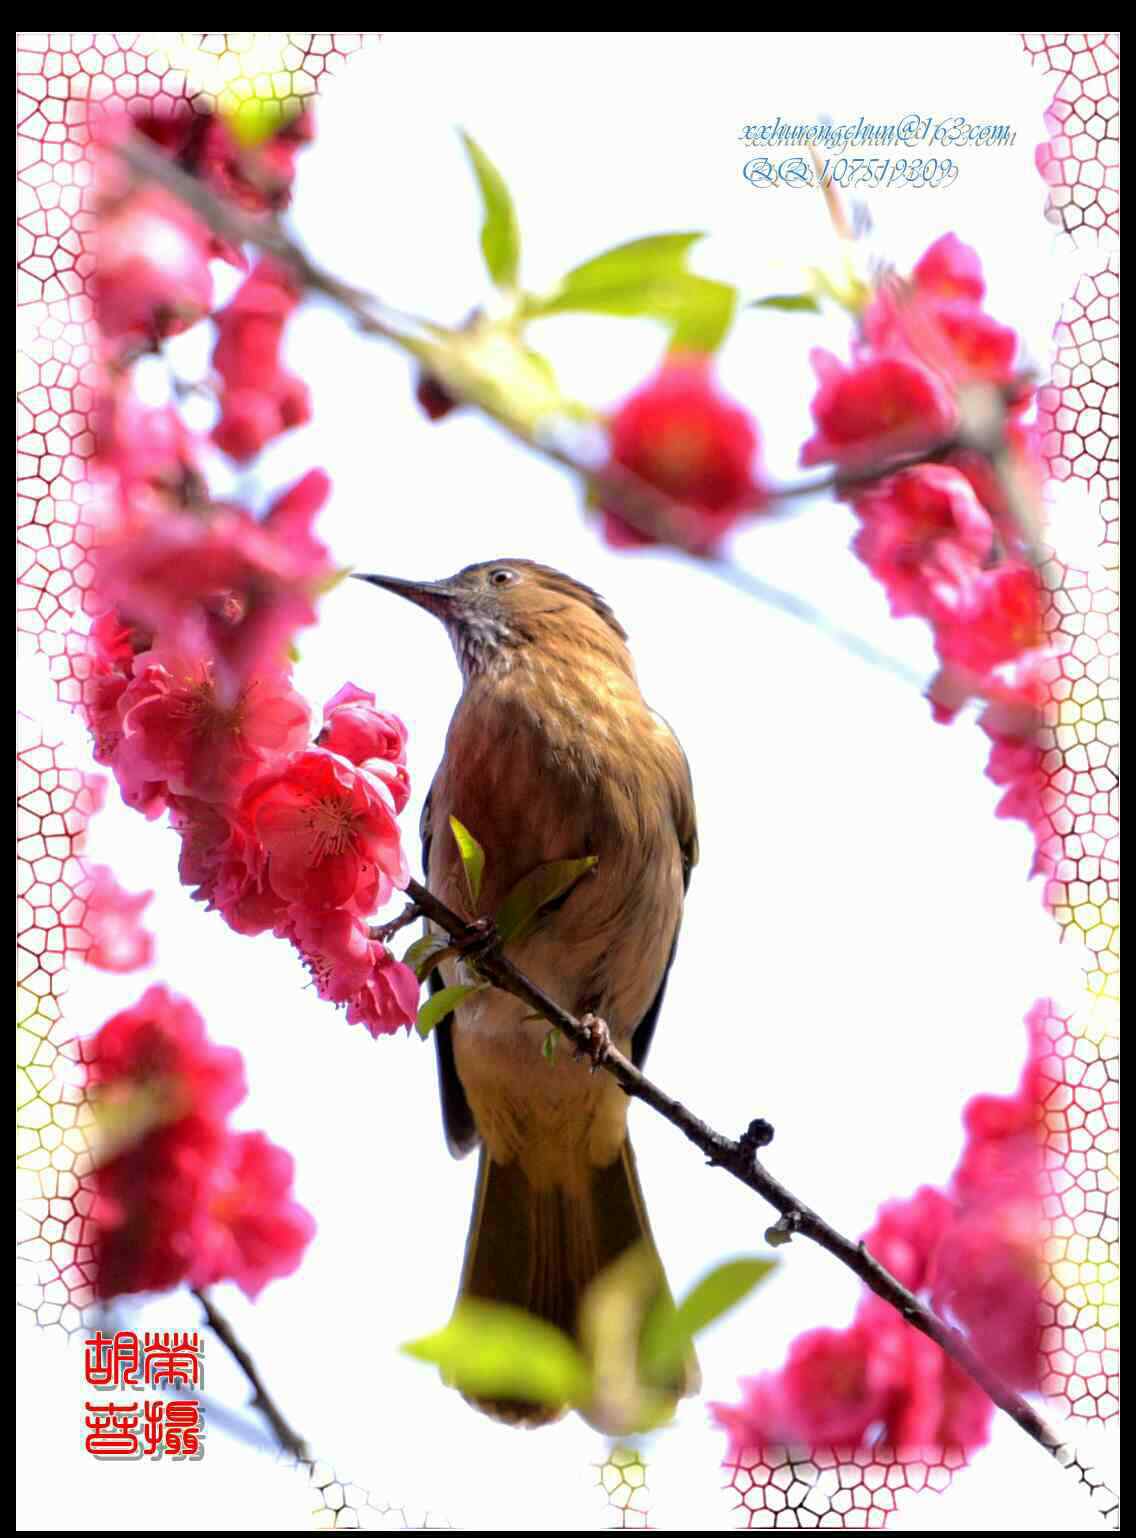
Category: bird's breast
[553,769]
[546,765]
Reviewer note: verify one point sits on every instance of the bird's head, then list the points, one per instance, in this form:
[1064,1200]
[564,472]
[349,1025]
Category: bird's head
[496,610]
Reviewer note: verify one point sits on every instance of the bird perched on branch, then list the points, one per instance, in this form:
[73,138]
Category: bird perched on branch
[552,754]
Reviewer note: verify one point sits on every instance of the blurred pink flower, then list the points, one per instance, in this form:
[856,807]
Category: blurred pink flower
[909,523]
[680,433]
[250,1229]
[875,410]
[119,943]
[151,276]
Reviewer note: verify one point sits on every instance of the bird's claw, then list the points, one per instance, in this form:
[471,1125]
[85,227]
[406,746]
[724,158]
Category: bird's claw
[598,1045]
[480,938]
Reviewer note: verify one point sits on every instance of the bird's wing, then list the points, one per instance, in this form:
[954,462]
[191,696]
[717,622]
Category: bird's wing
[457,1118]
[645,1030]
[688,843]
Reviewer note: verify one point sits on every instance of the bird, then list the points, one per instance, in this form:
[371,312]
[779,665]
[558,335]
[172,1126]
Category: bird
[552,754]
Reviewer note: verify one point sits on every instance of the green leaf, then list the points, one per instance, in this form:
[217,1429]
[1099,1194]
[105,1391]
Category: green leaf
[500,233]
[669,1330]
[254,120]
[340,574]
[490,365]
[705,315]
[425,954]
[473,858]
[648,277]
[518,913]
[439,1004]
[549,1044]
[123,1119]
[611,1317]
[847,288]
[806,302]
[629,264]
[493,1349]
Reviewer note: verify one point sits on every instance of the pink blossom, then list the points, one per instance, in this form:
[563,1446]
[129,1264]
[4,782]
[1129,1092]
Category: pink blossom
[936,320]
[906,1234]
[260,399]
[159,1045]
[988,1277]
[837,1382]
[250,1230]
[919,529]
[1015,694]
[949,270]
[222,585]
[290,518]
[151,277]
[257,178]
[336,948]
[148,450]
[974,1253]
[1015,763]
[294,400]
[220,861]
[979,348]
[388,999]
[833,1386]
[356,730]
[110,654]
[953,338]
[938,1406]
[758,1422]
[875,409]
[118,942]
[249,419]
[327,833]
[987,618]
[987,1269]
[147,1206]
[1001,1160]
[681,434]
[350,968]
[178,730]
[177,1196]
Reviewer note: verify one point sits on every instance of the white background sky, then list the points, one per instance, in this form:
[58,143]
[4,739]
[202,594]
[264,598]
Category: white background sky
[883,942]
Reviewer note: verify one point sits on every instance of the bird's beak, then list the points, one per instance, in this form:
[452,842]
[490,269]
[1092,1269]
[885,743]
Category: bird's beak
[437,597]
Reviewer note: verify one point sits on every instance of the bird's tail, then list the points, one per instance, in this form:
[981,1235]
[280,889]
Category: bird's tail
[540,1250]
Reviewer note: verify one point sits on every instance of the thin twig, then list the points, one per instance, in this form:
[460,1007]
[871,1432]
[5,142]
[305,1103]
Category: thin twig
[384,933]
[739,1157]
[799,608]
[289,1442]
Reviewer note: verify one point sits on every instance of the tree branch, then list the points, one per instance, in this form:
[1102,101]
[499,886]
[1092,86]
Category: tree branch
[262,1400]
[739,1157]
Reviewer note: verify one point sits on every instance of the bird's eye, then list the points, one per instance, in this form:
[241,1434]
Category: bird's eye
[502,576]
